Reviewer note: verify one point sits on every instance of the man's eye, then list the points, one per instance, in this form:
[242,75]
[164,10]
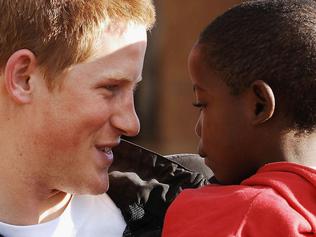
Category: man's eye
[199,105]
[112,87]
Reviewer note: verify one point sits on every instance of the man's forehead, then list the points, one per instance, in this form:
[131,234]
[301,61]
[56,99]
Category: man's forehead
[120,28]
[122,35]
[134,39]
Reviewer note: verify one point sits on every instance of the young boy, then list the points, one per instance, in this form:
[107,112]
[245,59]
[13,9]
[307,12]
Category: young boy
[254,78]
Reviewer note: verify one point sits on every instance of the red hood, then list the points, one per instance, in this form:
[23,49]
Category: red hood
[295,183]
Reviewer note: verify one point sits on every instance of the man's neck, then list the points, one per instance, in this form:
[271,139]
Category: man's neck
[25,196]
[55,207]
[18,208]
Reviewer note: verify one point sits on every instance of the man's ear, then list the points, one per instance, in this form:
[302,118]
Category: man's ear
[263,102]
[17,74]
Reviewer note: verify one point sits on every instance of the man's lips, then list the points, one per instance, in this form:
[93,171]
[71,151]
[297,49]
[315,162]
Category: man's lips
[107,153]
[106,150]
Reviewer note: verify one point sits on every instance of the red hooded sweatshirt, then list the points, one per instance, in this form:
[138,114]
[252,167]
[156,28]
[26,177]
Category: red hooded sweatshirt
[279,200]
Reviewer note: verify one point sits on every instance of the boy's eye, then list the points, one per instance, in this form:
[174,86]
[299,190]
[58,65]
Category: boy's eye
[199,105]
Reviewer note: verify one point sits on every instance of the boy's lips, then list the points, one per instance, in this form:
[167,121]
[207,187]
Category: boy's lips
[201,152]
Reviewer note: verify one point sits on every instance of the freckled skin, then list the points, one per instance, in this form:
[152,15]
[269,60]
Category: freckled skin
[82,112]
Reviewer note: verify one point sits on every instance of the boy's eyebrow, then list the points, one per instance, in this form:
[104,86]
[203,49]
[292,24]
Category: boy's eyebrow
[196,87]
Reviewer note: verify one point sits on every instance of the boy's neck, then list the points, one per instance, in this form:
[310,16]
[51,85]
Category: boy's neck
[300,148]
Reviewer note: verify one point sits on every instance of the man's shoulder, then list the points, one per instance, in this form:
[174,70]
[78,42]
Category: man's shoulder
[94,213]
[101,201]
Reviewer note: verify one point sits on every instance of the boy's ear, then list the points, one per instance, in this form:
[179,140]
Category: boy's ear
[17,74]
[263,102]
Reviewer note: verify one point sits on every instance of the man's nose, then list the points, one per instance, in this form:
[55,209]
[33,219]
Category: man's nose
[126,119]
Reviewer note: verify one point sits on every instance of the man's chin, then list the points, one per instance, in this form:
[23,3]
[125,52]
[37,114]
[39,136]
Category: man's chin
[100,187]
[103,187]
[98,190]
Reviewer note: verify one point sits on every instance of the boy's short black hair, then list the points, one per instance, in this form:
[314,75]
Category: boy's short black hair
[273,41]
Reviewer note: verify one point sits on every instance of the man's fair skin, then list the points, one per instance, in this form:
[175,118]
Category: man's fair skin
[59,139]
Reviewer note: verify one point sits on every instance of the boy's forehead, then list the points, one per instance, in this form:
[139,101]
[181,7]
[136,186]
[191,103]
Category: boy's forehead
[199,70]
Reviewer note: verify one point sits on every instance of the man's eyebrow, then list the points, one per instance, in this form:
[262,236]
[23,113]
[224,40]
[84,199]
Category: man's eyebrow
[120,77]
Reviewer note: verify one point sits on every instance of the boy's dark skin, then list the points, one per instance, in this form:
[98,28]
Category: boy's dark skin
[254,79]
[254,82]
[235,138]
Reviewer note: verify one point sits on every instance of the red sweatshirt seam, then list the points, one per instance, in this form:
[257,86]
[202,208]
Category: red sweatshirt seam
[244,219]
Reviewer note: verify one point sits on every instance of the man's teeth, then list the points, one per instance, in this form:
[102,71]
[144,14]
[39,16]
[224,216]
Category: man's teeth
[106,150]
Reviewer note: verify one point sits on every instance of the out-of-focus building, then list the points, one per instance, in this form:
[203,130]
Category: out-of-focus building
[164,98]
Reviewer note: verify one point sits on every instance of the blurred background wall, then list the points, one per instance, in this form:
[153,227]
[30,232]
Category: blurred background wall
[164,97]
